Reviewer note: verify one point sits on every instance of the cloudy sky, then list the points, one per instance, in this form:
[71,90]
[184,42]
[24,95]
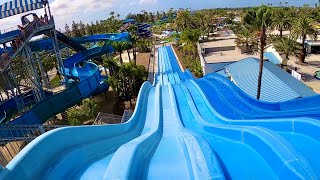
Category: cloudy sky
[65,11]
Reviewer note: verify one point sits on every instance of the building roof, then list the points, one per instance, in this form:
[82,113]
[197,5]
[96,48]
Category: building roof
[222,72]
[15,7]
[277,85]
[272,57]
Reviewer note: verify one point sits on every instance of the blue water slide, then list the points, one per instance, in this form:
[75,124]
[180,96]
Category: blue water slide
[232,96]
[86,150]
[47,44]
[182,128]
[90,81]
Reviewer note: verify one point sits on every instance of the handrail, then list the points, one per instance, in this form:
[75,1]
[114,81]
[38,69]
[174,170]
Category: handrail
[151,56]
[20,41]
[13,28]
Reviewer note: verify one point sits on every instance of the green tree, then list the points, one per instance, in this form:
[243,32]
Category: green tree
[287,46]
[110,62]
[79,114]
[67,30]
[184,20]
[127,47]
[246,38]
[303,27]
[144,45]
[82,28]
[202,20]
[119,46]
[128,80]
[259,20]
[191,38]
[280,20]
[133,31]
[75,30]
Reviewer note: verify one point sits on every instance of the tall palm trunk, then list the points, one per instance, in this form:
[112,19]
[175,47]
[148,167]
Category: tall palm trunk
[281,32]
[303,50]
[128,51]
[262,45]
[121,60]
[134,55]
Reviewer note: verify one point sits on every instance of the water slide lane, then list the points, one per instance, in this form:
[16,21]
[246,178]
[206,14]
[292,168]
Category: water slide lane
[180,154]
[306,104]
[132,159]
[168,160]
[186,117]
[248,110]
[235,152]
[307,142]
[260,134]
[260,149]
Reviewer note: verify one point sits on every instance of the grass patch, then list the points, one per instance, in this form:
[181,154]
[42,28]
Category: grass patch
[55,82]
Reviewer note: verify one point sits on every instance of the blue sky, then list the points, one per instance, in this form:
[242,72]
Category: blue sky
[91,10]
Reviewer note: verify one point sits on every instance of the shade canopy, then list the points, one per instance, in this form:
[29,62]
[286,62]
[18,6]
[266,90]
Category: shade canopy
[15,7]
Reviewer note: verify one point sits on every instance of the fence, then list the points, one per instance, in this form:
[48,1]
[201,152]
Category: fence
[10,146]
[19,41]
[202,60]
[150,75]
[106,118]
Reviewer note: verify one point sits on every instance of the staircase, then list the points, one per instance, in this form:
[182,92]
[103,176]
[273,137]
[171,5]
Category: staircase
[21,40]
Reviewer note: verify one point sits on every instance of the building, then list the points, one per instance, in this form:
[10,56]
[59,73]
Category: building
[277,85]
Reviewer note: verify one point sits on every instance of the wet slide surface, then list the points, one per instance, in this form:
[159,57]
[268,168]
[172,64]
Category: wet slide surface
[183,128]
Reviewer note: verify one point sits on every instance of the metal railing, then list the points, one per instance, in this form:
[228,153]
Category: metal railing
[106,118]
[150,74]
[14,28]
[202,60]
[10,146]
[20,40]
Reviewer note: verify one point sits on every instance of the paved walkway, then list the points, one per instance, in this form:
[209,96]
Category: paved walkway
[153,66]
[308,71]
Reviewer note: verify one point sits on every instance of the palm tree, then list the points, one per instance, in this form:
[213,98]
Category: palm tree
[280,20]
[245,38]
[287,46]
[128,46]
[302,28]
[111,63]
[133,30]
[134,40]
[259,20]
[191,38]
[119,47]
[183,20]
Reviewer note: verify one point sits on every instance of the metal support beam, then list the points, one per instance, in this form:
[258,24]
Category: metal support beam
[58,56]
[45,79]
[33,74]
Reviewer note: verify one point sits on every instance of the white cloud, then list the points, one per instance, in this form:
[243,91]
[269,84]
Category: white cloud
[147,1]
[66,11]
